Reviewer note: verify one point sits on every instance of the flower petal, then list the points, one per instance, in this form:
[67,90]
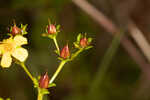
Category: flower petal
[1,48]
[6,60]
[20,54]
[9,40]
[20,40]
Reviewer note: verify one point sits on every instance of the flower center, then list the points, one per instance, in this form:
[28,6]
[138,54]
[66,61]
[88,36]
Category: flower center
[8,47]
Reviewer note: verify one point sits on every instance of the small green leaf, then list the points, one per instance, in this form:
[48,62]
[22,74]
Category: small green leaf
[60,58]
[51,36]
[39,77]
[90,40]
[89,47]
[57,27]
[52,85]
[36,84]
[23,27]
[35,81]
[44,91]
[24,33]
[79,37]
[9,34]
[10,29]
[76,45]
[44,34]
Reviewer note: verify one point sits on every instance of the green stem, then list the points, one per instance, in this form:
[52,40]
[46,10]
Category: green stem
[76,54]
[62,64]
[58,71]
[27,72]
[56,44]
[40,95]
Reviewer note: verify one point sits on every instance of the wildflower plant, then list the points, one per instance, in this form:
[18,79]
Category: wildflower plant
[11,50]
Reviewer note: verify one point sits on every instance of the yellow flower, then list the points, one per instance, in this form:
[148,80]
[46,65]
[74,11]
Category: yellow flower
[11,47]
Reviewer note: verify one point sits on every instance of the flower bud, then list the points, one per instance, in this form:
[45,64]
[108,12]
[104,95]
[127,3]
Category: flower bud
[83,42]
[51,29]
[44,81]
[65,52]
[15,30]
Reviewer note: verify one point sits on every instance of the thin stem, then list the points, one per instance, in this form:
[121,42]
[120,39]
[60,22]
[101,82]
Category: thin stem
[27,72]
[76,54]
[62,64]
[40,95]
[57,71]
[56,44]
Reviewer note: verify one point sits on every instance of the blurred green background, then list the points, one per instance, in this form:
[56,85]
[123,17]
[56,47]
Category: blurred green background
[75,80]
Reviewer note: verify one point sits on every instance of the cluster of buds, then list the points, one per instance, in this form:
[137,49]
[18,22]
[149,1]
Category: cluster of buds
[82,43]
[11,47]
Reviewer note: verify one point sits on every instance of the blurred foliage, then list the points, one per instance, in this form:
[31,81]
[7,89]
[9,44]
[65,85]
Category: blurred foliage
[75,81]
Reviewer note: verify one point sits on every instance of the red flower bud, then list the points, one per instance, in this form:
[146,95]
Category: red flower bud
[51,29]
[65,52]
[83,42]
[44,81]
[15,30]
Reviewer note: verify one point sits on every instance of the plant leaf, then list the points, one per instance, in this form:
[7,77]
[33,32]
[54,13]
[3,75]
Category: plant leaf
[52,85]
[79,37]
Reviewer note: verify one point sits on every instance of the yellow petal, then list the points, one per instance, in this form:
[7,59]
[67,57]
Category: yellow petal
[20,40]
[6,60]
[9,40]
[1,48]
[20,54]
